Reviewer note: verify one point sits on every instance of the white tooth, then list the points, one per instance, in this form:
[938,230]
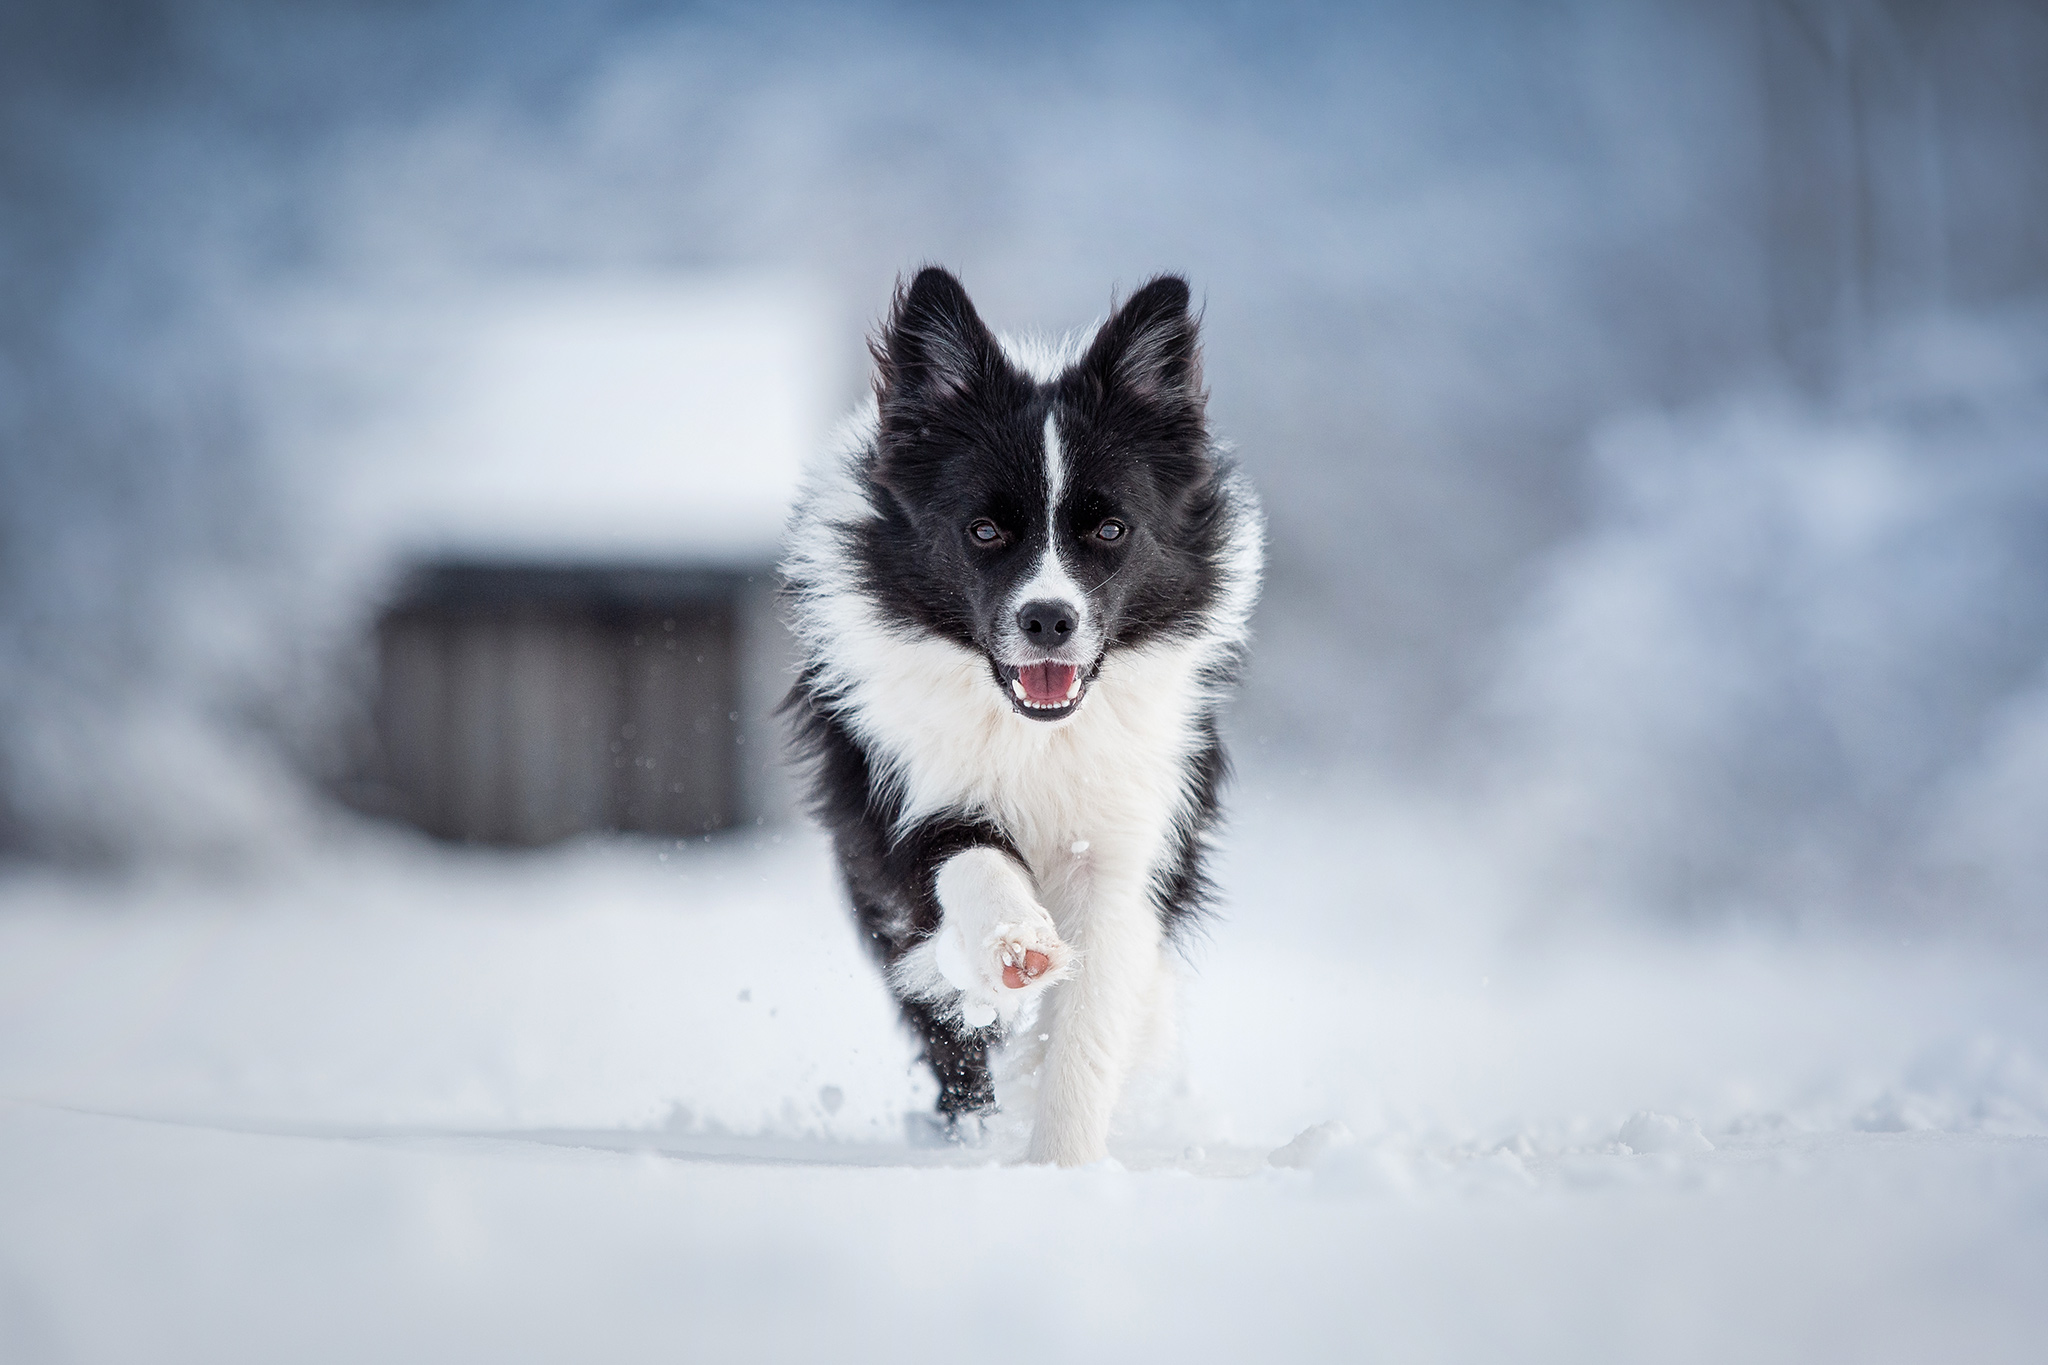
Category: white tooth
[1017,686]
[1074,687]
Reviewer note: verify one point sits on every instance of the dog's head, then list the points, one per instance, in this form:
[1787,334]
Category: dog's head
[1045,520]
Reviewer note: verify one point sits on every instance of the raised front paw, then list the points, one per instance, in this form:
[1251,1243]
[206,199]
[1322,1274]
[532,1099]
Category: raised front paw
[1010,964]
[1030,955]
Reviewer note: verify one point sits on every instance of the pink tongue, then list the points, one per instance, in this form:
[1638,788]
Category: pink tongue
[1046,682]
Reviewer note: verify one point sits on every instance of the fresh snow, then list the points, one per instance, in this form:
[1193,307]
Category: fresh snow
[378,1100]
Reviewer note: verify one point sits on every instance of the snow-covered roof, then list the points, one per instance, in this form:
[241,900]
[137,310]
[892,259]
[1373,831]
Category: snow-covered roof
[645,417]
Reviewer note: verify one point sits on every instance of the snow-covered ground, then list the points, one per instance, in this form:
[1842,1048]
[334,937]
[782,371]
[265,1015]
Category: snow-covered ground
[383,1101]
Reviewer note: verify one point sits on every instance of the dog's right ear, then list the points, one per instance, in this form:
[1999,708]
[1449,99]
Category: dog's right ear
[935,345]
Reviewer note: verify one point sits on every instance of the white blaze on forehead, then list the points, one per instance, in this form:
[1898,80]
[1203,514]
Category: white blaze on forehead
[1050,578]
[1055,469]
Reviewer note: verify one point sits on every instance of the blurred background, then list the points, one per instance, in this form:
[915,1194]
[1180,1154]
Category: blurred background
[1647,399]
[1635,887]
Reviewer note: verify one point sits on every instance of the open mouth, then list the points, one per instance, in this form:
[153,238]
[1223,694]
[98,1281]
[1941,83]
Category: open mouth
[1046,691]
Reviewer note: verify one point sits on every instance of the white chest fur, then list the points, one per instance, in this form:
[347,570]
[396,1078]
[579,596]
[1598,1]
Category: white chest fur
[1092,802]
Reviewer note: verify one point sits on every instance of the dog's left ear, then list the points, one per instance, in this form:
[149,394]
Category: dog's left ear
[1151,349]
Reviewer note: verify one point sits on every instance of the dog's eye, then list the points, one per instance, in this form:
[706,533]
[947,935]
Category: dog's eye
[984,531]
[1111,530]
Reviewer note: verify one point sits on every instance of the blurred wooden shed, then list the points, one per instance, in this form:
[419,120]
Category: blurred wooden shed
[522,703]
[581,483]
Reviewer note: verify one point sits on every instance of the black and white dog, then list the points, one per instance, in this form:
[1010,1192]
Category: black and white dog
[1021,585]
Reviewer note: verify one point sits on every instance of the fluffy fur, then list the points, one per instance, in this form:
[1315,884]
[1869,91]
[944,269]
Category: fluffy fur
[1021,583]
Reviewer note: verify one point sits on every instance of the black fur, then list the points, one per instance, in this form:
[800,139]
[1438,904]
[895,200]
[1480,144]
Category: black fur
[889,881]
[959,438]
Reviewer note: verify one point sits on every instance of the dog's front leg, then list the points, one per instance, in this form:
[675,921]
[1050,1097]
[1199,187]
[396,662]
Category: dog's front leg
[995,945]
[1096,1019]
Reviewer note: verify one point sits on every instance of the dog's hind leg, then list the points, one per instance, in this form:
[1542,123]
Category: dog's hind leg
[959,1061]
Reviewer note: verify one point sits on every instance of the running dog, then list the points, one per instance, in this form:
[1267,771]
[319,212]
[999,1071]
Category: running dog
[1021,583]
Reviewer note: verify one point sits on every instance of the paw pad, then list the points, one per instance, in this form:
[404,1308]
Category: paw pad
[1017,973]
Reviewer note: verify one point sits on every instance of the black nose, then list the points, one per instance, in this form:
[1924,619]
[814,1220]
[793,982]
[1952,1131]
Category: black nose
[1046,617]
